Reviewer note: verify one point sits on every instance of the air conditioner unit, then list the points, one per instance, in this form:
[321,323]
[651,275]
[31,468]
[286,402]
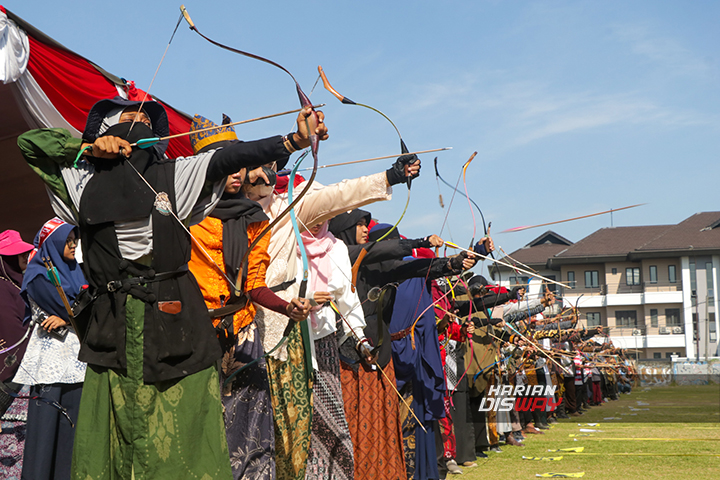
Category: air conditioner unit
[637,332]
[677,330]
[664,331]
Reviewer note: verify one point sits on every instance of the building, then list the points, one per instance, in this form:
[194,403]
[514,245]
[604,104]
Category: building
[652,286]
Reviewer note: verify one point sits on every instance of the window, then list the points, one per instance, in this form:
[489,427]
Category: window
[693,278]
[592,279]
[632,276]
[626,318]
[518,280]
[672,317]
[669,354]
[712,328]
[653,273]
[571,279]
[672,276]
[552,287]
[709,282]
[657,355]
[653,317]
[614,271]
[593,319]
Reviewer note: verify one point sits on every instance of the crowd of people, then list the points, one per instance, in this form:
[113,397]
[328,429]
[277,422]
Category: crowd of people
[205,329]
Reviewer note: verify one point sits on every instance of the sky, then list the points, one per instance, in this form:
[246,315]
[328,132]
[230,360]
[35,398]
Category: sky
[574,107]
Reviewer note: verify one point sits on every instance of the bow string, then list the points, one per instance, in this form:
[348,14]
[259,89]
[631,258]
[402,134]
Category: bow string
[403,148]
[311,123]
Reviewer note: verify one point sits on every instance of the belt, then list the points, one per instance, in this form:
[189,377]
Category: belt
[127,283]
[230,308]
[401,334]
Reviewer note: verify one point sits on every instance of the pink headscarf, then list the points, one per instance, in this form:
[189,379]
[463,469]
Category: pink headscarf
[317,248]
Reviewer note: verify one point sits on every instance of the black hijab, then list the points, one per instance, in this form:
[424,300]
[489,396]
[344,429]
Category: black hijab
[344,226]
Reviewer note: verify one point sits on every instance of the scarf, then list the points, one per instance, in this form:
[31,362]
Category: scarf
[35,283]
[236,212]
[344,226]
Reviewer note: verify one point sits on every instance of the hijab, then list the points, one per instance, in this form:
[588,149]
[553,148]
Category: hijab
[344,226]
[318,249]
[50,242]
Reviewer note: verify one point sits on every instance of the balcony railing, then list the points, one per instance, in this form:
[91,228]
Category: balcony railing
[622,288]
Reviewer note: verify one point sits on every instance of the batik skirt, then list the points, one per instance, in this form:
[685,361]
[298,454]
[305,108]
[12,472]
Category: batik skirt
[129,429]
[247,409]
[331,449]
[291,395]
[371,409]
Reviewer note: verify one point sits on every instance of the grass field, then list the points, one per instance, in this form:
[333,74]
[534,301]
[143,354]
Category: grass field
[683,420]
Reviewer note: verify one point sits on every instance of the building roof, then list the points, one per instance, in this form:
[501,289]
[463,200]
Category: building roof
[536,252]
[549,237]
[613,241]
[699,232]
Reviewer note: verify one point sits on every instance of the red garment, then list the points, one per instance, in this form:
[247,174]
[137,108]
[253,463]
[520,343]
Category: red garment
[281,185]
[447,432]
[597,392]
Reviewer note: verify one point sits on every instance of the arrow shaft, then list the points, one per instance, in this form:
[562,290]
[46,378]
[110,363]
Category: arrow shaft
[380,158]
[241,122]
[520,229]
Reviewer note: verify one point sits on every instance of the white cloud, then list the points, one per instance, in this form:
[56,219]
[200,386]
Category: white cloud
[668,53]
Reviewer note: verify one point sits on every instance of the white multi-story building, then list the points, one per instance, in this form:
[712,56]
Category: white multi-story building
[652,286]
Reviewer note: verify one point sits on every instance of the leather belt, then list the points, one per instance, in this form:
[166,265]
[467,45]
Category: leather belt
[401,334]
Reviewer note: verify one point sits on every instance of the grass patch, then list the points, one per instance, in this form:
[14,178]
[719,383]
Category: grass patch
[681,419]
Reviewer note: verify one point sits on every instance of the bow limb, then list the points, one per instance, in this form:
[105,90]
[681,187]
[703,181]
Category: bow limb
[455,189]
[403,148]
[464,172]
[304,329]
[311,123]
[19,342]
[374,363]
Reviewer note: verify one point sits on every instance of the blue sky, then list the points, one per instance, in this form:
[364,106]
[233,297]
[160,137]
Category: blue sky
[573,107]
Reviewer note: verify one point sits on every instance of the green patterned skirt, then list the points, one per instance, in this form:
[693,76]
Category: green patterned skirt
[291,394]
[127,429]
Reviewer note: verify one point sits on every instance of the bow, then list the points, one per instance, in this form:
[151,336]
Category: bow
[10,360]
[18,343]
[311,123]
[376,365]
[439,177]
[304,329]
[403,148]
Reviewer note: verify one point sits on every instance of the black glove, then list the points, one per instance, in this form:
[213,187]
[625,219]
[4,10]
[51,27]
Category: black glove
[456,262]
[396,173]
[422,243]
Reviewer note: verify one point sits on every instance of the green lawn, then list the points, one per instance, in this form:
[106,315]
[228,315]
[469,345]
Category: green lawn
[690,417]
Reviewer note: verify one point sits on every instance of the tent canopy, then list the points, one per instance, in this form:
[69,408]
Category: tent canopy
[46,85]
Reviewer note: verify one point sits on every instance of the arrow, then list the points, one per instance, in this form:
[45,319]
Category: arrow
[520,229]
[149,142]
[287,172]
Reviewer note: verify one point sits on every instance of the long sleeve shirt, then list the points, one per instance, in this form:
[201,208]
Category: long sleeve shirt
[321,203]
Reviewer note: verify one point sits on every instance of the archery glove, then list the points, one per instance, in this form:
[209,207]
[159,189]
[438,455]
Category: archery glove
[396,173]
[479,248]
[456,262]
